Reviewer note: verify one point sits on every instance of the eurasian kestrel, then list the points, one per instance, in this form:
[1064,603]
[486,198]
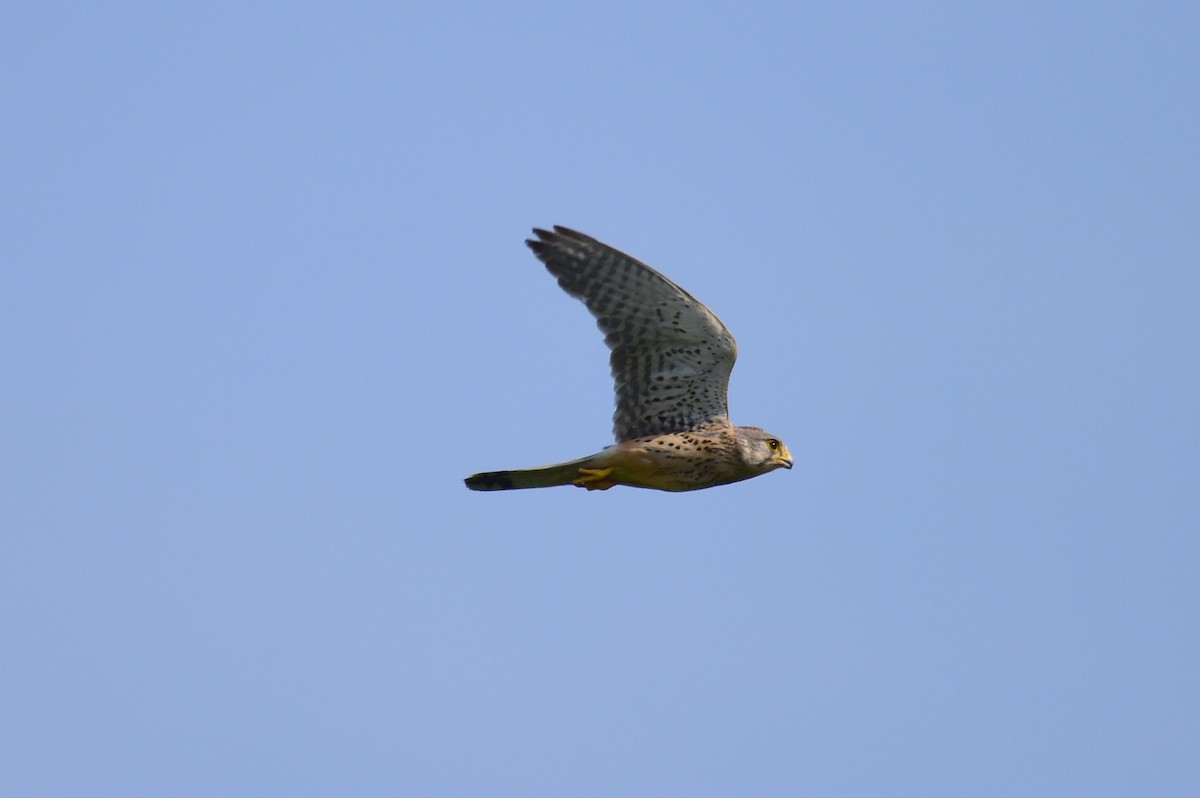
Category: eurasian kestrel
[671,358]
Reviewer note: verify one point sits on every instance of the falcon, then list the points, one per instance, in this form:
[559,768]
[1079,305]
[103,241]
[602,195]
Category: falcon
[671,359]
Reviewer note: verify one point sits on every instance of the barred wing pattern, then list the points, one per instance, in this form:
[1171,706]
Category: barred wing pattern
[671,356]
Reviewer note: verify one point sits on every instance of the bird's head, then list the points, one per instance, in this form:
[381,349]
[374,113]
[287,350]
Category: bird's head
[762,450]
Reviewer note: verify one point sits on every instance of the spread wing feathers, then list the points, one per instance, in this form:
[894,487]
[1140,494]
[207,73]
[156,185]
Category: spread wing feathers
[671,356]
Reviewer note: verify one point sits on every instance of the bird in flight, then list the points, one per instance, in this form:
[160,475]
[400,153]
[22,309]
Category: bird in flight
[671,358]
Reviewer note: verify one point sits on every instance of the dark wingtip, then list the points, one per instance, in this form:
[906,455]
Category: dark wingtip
[545,237]
[540,244]
[562,241]
[567,232]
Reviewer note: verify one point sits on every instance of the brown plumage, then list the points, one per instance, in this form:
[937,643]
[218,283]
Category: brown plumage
[671,359]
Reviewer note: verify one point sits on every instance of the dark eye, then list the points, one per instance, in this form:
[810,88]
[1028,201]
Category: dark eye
[773,444]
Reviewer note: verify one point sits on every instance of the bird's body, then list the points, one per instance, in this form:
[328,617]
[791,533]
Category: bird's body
[671,359]
[664,462]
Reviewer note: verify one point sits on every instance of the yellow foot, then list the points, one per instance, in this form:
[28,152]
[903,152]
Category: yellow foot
[594,478]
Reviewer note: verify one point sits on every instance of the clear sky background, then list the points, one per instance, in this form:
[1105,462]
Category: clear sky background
[264,302]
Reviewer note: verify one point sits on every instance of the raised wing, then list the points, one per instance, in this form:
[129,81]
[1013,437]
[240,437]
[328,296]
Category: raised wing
[671,356]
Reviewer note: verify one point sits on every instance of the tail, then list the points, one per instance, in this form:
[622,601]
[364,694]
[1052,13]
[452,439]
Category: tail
[545,477]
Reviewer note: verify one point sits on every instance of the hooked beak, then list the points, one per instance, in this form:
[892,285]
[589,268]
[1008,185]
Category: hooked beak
[784,460]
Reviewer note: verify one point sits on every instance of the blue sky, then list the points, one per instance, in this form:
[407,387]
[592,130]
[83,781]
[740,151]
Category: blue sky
[264,303]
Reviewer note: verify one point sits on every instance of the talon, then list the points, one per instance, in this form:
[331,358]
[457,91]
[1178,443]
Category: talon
[594,479]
